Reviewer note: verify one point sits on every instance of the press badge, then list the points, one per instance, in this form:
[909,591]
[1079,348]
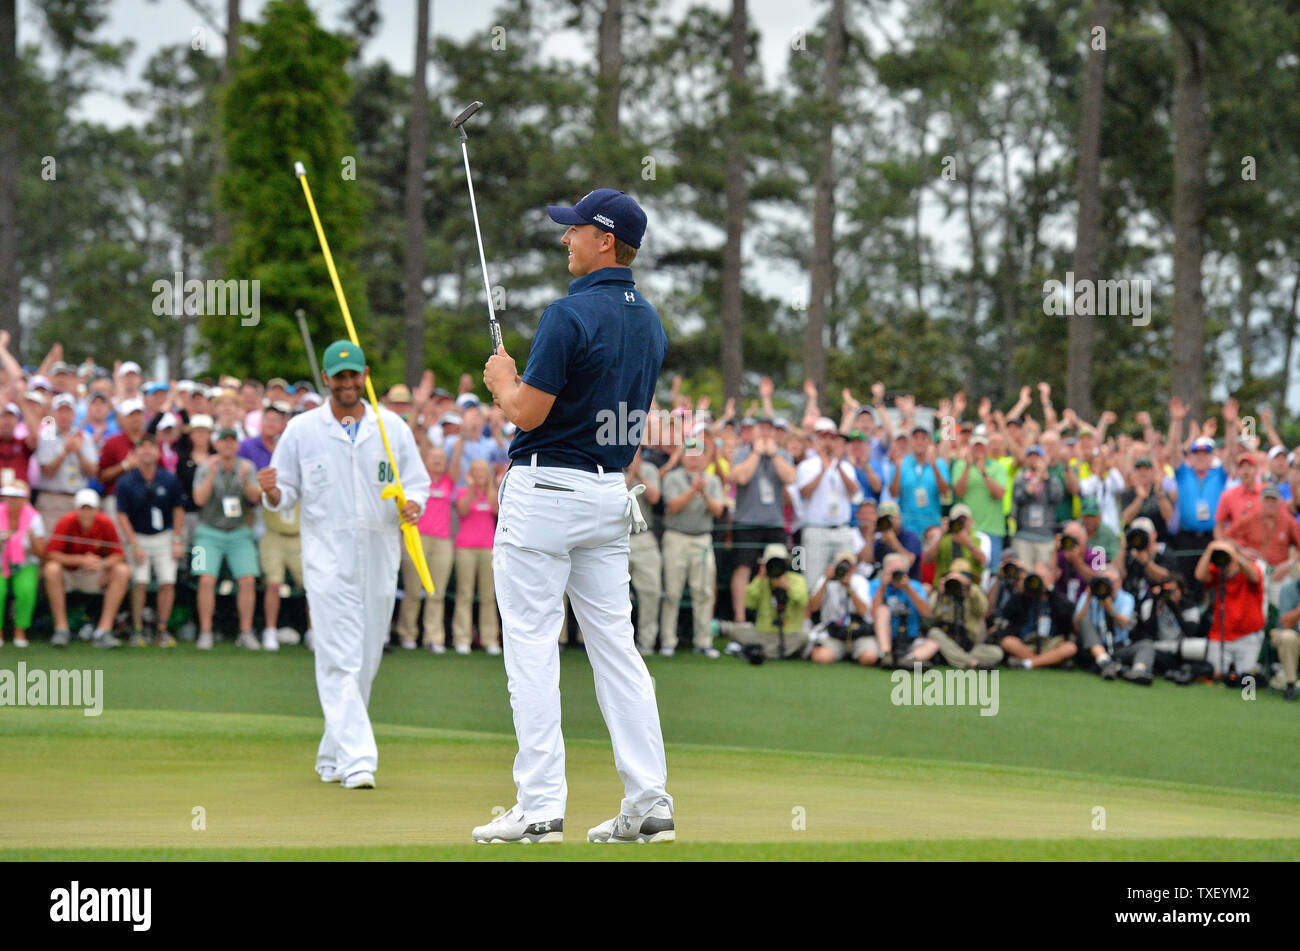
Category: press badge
[230,506]
[922,497]
[765,494]
[1202,511]
[1044,625]
[156,519]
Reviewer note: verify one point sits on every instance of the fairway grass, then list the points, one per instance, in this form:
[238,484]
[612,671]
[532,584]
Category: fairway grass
[211,757]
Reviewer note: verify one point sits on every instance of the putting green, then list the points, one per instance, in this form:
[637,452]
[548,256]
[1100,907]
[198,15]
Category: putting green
[778,762]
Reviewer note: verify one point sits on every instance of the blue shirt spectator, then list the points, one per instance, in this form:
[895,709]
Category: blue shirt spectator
[1123,604]
[1198,498]
[905,620]
[918,493]
[149,505]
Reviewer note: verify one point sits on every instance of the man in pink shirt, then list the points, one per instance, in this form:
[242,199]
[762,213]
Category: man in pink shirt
[1241,500]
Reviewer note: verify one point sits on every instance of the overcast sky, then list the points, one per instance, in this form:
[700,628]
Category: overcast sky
[152,25]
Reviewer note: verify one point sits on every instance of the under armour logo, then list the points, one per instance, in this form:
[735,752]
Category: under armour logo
[629,297]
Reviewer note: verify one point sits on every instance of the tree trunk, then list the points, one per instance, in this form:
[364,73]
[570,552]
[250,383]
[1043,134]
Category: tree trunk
[1289,335]
[823,253]
[1245,293]
[413,312]
[733,357]
[1078,375]
[1191,139]
[222,230]
[10,295]
[609,93]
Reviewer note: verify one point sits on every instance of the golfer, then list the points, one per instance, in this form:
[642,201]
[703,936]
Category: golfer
[331,460]
[565,515]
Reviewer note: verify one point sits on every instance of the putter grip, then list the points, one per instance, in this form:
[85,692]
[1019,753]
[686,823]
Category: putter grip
[472,108]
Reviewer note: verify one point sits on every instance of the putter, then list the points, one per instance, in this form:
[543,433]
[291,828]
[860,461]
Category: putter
[458,124]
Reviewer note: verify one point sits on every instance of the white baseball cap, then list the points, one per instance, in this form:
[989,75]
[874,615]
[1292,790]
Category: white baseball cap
[825,425]
[451,419]
[133,405]
[129,367]
[200,421]
[13,408]
[168,421]
[1277,451]
[17,489]
[65,399]
[467,399]
[86,497]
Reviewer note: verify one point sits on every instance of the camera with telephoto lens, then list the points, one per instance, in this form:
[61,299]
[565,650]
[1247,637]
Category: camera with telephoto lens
[842,570]
[884,523]
[776,567]
[955,525]
[1033,584]
[1220,558]
[1010,572]
[1100,587]
[1068,542]
[1136,539]
[954,588]
[898,578]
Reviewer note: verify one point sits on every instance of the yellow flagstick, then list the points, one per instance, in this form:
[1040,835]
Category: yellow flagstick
[410,534]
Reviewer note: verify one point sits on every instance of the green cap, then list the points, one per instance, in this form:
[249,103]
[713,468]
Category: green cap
[227,433]
[857,436]
[1144,462]
[1089,507]
[343,355]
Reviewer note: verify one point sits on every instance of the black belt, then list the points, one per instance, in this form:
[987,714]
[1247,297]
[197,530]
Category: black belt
[551,462]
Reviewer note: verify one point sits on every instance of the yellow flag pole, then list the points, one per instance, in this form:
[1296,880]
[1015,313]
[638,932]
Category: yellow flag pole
[410,534]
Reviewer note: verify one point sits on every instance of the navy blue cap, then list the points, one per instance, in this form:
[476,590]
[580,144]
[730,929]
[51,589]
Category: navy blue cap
[607,209]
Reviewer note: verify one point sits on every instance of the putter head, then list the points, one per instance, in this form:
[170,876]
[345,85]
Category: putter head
[468,111]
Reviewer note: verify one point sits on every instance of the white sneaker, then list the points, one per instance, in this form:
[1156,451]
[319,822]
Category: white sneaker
[204,642]
[655,826]
[436,648]
[492,650]
[269,640]
[462,649]
[408,645]
[358,780]
[710,652]
[248,640]
[330,776]
[511,827]
[20,642]
[667,651]
[287,636]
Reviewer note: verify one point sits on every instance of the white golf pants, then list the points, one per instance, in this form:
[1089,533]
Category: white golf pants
[564,530]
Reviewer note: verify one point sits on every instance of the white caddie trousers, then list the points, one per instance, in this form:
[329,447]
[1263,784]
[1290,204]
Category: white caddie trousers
[566,531]
[351,555]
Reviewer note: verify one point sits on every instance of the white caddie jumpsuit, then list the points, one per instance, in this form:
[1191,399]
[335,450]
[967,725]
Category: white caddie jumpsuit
[351,555]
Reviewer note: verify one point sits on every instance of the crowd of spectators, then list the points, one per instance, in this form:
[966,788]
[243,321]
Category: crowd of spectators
[896,536]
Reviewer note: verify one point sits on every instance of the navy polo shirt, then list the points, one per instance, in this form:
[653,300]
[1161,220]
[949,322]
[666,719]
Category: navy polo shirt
[137,499]
[598,351]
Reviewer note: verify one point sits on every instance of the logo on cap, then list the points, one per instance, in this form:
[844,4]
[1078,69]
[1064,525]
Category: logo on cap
[603,220]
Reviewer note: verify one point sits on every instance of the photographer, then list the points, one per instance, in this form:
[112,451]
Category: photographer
[1236,611]
[898,604]
[1073,565]
[844,600]
[881,533]
[957,627]
[778,597]
[1005,584]
[1174,628]
[1037,623]
[1146,565]
[959,541]
[1104,617]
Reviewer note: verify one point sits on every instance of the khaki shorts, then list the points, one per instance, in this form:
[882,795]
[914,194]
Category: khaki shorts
[84,581]
[855,650]
[158,561]
[278,552]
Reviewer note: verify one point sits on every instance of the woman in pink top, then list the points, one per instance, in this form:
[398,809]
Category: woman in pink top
[435,537]
[476,504]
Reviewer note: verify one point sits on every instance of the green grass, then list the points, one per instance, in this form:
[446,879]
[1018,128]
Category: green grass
[784,761]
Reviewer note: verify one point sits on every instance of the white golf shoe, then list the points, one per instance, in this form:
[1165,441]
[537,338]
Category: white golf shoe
[358,780]
[655,826]
[269,640]
[511,827]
